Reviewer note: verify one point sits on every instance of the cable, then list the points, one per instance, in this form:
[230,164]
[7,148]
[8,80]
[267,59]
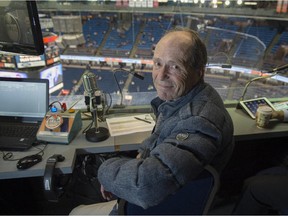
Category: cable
[8,156]
[51,104]
[110,102]
[62,106]
[88,127]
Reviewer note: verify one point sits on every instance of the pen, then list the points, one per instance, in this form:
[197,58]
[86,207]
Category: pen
[140,119]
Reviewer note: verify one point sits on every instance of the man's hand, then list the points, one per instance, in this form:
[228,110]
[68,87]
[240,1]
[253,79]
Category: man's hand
[105,194]
[278,115]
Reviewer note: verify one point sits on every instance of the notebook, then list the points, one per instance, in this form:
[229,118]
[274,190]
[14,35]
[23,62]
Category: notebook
[23,104]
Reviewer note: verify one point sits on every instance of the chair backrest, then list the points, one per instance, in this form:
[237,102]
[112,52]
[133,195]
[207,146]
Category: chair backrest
[195,198]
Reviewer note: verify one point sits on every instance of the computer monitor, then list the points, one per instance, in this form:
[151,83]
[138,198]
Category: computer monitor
[13,74]
[20,28]
[55,76]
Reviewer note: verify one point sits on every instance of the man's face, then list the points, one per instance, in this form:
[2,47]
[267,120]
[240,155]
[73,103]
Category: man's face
[170,74]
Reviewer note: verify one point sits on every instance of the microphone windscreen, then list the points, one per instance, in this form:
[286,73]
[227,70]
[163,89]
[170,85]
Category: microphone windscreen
[89,82]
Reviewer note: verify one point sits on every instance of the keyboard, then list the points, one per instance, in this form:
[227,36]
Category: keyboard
[9,144]
[19,130]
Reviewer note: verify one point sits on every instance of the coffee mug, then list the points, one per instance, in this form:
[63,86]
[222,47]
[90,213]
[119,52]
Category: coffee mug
[263,116]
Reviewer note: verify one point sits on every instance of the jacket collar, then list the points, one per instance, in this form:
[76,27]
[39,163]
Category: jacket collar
[169,107]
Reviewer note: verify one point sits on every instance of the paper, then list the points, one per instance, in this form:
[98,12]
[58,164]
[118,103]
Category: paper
[130,124]
[281,105]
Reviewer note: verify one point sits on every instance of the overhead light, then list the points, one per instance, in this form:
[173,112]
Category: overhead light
[227,2]
[250,3]
[215,2]
[239,2]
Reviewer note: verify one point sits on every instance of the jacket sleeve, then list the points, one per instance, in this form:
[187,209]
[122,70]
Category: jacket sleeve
[171,164]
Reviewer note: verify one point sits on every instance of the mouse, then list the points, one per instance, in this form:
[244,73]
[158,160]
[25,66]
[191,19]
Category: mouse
[28,161]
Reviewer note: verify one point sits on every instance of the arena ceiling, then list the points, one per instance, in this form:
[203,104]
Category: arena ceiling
[269,10]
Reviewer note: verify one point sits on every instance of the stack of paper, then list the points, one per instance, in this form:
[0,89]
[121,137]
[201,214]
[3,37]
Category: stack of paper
[130,124]
[281,105]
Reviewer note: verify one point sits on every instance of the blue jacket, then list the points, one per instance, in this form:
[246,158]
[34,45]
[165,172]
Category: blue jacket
[190,132]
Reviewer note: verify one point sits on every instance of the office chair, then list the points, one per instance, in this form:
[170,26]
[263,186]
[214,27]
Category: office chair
[195,198]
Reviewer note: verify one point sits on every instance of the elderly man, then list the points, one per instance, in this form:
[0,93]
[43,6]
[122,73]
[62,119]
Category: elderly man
[192,129]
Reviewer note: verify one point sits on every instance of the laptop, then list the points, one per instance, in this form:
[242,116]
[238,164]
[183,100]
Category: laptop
[23,105]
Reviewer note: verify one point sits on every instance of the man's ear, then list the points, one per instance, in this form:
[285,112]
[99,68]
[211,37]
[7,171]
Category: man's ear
[201,73]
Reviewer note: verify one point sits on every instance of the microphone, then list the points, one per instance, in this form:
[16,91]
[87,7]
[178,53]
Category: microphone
[97,133]
[283,67]
[131,72]
[90,86]
[89,82]
[137,75]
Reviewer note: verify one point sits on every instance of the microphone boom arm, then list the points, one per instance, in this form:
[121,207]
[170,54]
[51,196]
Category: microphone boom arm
[252,80]
[120,90]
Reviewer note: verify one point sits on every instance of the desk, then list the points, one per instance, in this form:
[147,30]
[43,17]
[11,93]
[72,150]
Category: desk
[79,145]
[255,149]
[244,130]
[245,127]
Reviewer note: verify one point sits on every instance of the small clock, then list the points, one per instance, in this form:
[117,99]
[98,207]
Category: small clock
[53,121]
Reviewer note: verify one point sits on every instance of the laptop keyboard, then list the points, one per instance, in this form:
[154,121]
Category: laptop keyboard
[23,130]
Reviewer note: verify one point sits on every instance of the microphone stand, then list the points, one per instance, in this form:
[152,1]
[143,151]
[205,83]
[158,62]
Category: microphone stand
[273,73]
[93,97]
[96,134]
[252,80]
[248,83]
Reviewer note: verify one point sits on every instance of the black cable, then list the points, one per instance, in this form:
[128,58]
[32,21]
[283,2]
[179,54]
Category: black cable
[88,127]
[105,106]
[8,156]
[51,104]
[110,104]
[62,106]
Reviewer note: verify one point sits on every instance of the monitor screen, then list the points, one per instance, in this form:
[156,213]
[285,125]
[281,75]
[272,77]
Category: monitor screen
[55,76]
[23,97]
[20,28]
[13,74]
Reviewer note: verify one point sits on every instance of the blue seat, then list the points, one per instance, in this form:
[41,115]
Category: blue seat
[195,198]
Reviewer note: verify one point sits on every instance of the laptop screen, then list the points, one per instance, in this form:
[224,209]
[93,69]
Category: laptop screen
[27,98]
